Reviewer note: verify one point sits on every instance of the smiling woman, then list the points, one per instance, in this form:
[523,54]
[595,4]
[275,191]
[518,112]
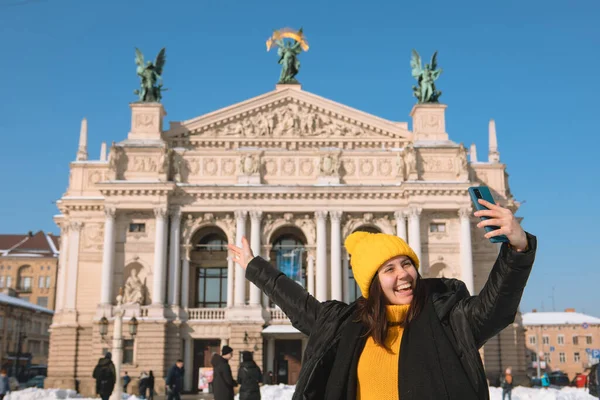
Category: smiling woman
[406,337]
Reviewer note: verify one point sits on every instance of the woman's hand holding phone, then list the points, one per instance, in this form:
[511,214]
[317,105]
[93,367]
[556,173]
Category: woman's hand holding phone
[507,223]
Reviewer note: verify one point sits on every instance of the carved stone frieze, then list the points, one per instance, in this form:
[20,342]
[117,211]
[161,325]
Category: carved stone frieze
[287,120]
[93,237]
[304,222]
[383,223]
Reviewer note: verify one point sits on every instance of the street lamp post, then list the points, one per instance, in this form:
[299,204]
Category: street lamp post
[117,353]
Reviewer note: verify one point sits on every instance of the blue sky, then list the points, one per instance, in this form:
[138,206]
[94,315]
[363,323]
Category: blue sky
[530,65]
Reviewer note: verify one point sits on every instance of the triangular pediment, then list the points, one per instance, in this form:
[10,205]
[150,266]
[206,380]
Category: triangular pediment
[289,112]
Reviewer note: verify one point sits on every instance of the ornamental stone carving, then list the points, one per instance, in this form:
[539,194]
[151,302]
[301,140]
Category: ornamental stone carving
[288,120]
[383,223]
[306,167]
[410,157]
[143,164]
[164,164]
[93,237]
[400,167]
[329,164]
[249,164]
[305,223]
[192,223]
[461,163]
[115,156]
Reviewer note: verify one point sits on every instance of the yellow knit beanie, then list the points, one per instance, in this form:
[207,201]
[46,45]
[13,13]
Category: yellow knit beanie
[369,251]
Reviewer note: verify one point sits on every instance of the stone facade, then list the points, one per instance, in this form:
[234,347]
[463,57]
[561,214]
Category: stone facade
[284,167]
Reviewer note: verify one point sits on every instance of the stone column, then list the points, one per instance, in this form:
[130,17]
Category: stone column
[74,234]
[345,276]
[174,266]
[321,255]
[160,253]
[230,280]
[185,273]
[255,219]
[62,267]
[270,357]
[400,224]
[414,232]
[336,256]
[310,272]
[240,278]
[188,362]
[466,256]
[108,255]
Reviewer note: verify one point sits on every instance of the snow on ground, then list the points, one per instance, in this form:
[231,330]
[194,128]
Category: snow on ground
[285,392]
[51,394]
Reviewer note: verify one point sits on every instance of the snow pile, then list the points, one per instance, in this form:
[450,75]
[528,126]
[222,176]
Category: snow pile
[52,394]
[285,392]
[275,392]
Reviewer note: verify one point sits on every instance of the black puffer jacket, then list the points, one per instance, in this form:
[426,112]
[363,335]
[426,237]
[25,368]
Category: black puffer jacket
[105,376]
[249,377]
[223,382]
[439,357]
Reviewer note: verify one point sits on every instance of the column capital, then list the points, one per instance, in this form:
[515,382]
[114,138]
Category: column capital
[335,215]
[414,211]
[464,212]
[110,211]
[240,214]
[160,211]
[400,214]
[75,226]
[321,214]
[256,215]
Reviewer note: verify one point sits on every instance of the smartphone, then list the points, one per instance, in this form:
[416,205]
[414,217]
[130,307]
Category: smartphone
[483,192]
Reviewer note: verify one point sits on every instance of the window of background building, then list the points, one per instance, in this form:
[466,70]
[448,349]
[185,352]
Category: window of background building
[353,286]
[437,227]
[534,357]
[561,357]
[128,351]
[561,339]
[8,281]
[45,348]
[137,227]
[26,283]
[34,347]
[545,339]
[576,357]
[48,280]
[588,340]
[41,282]
[531,339]
[547,357]
[42,301]
[575,340]
[1,281]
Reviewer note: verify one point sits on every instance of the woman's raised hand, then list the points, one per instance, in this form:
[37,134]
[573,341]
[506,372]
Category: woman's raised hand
[241,256]
[505,219]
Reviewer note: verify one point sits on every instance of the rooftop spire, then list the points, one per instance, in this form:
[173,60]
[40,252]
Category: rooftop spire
[493,154]
[82,154]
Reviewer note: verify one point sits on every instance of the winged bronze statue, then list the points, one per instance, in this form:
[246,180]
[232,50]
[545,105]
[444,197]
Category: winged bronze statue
[426,91]
[288,52]
[150,73]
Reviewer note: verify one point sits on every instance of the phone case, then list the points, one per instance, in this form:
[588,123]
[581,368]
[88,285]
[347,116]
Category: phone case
[485,193]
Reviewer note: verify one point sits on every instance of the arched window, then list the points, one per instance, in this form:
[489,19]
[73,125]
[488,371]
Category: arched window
[211,271]
[289,255]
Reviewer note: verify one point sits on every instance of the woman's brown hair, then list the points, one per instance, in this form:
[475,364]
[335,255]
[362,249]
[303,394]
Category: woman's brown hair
[372,311]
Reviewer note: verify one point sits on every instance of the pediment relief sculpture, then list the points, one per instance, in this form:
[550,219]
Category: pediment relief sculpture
[289,120]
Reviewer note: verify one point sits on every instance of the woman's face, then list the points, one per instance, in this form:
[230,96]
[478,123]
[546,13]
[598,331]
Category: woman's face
[398,277]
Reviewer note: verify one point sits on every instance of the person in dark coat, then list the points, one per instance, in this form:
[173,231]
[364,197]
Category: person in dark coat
[406,337]
[175,381]
[150,385]
[223,382]
[249,378]
[105,376]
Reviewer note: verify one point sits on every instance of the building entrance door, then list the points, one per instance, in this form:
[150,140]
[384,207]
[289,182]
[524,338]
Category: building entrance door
[203,351]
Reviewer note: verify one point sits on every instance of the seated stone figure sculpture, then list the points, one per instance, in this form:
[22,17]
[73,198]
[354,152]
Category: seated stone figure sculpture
[134,289]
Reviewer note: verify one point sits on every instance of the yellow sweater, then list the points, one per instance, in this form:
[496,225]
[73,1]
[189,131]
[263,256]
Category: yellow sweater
[377,367]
